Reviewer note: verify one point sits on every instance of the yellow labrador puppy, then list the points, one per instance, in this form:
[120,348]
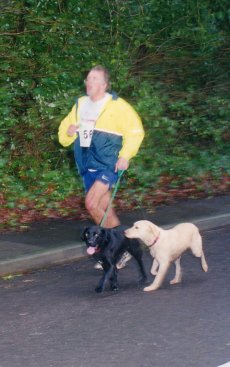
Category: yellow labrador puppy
[167,246]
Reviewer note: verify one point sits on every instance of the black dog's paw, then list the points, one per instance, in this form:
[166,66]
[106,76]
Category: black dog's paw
[114,288]
[99,289]
[143,281]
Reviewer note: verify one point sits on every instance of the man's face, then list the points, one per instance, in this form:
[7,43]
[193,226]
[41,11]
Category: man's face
[95,84]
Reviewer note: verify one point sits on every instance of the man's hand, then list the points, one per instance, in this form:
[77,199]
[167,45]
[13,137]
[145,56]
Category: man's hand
[71,130]
[122,164]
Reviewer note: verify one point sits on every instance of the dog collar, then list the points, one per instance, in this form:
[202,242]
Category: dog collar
[155,240]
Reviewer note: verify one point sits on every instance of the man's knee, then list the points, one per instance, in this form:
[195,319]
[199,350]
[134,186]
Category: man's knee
[97,197]
[90,204]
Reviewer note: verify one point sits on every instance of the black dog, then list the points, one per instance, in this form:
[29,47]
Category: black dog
[108,245]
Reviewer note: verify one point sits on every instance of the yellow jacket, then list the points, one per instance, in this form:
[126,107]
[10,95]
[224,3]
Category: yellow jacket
[118,133]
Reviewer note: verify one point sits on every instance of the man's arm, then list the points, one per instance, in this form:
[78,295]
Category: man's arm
[133,132]
[67,129]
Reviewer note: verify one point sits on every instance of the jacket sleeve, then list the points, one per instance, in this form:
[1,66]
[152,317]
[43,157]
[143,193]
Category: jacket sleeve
[133,132]
[70,119]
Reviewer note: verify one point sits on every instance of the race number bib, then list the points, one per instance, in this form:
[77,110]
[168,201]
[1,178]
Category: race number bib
[86,132]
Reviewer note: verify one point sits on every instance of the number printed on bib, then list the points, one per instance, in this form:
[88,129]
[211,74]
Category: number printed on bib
[86,133]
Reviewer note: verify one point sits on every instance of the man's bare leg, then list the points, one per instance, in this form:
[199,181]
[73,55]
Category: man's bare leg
[97,201]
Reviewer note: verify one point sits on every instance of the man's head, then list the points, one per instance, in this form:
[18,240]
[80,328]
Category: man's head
[97,82]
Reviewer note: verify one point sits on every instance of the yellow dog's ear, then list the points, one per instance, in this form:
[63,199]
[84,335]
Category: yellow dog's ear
[153,229]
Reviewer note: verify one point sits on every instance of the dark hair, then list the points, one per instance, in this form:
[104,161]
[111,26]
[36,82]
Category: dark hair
[105,72]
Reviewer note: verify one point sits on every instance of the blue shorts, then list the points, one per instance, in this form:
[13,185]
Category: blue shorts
[107,177]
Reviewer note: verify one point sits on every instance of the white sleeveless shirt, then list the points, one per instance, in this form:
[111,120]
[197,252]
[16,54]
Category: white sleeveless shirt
[89,112]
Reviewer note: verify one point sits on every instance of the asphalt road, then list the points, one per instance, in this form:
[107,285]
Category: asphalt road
[53,317]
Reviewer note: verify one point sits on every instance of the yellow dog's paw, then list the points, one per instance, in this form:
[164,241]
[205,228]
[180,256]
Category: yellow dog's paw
[149,288]
[175,281]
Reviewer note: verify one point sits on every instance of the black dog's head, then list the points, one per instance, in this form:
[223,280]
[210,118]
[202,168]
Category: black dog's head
[95,238]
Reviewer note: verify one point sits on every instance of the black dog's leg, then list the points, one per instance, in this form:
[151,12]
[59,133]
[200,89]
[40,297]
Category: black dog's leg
[108,274]
[137,253]
[113,280]
[142,270]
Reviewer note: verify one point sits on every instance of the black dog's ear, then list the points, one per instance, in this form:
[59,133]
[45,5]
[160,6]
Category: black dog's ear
[83,235]
[105,236]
